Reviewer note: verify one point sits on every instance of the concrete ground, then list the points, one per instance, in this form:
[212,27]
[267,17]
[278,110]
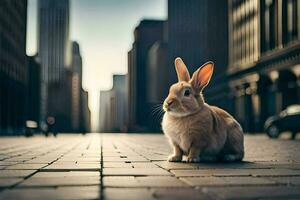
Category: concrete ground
[132,167]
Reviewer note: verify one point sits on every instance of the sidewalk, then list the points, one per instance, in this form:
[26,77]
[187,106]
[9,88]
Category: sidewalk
[132,167]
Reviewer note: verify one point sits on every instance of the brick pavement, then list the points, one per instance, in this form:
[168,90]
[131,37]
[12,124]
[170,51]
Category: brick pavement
[132,167]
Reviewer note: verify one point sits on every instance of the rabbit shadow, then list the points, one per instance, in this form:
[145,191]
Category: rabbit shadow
[224,165]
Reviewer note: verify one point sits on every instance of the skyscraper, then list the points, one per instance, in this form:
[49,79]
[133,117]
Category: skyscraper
[198,32]
[113,106]
[145,35]
[76,85]
[13,67]
[53,45]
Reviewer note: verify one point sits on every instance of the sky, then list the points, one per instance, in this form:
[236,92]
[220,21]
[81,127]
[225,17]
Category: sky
[104,31]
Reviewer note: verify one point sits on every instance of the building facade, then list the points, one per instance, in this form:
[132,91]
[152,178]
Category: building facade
[105,118]
[76,86]
[61,103]
[85,113]
[33,89]
[113,106]
[145,35]
[198,32]
[264,59]
[54,48]
[195,32]
[13,66]
[157,75]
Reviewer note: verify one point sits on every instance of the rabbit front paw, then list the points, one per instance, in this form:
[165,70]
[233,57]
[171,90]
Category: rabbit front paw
[192,159]
[174,158]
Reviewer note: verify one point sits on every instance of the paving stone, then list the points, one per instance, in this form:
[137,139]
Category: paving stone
[134,171]
[7,182]
[9,173]
[128,194]
[60,181]
[275,172]
[291,180]
[145,181]
[182,193]
[253,192]
[79,159]
[236,172]
[120,159]
[7,163]
[176,165]
[72,167]
[210,172]
[63,193]
[156,157]
[27,166]
[129,165]
[66,174]
[227,181]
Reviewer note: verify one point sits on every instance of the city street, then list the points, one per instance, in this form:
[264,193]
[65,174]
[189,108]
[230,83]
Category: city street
[119,166]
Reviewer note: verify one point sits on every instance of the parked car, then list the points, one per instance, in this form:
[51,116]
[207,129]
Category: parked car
[287,120]
[31,128]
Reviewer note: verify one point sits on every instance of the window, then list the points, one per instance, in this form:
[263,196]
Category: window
[290,31]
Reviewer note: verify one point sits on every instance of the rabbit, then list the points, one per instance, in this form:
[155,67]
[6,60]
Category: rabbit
[195,129]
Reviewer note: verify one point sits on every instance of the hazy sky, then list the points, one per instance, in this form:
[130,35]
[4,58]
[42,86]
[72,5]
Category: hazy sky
[104,31]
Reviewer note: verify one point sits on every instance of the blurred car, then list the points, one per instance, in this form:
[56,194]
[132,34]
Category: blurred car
[287,120]
[31,128]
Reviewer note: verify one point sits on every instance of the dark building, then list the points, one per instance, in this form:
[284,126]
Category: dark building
[76,85]
[61,107]
[264,59]
[54,48]
[157,90]
[33,91]
[145,35]
[197,32]
[105,111]
[131,92]
[13,67]
[85,113]
[113,106]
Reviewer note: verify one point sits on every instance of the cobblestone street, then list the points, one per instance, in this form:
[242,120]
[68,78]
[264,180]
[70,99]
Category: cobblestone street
[95,166]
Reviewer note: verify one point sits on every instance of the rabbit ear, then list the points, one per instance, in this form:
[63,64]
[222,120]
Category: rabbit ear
[202,76]
[181,70]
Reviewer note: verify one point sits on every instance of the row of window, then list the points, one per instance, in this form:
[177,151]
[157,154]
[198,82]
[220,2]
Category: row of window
[260,26]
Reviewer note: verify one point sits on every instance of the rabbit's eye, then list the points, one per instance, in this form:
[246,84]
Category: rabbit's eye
[187,93]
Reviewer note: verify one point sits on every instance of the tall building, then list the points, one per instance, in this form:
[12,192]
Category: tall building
[157,75]
[120,90]
[264,60]
[53,46]
[13,67]
[85,113]
[105,118]
[113,106]
[60,105]
[33,89]
[145,35]
[76,85]
[77,61]
[198,32]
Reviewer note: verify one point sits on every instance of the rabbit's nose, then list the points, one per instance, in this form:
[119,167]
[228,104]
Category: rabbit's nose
[170,102]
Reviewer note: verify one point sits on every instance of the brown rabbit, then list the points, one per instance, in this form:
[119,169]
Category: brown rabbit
[196,129]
